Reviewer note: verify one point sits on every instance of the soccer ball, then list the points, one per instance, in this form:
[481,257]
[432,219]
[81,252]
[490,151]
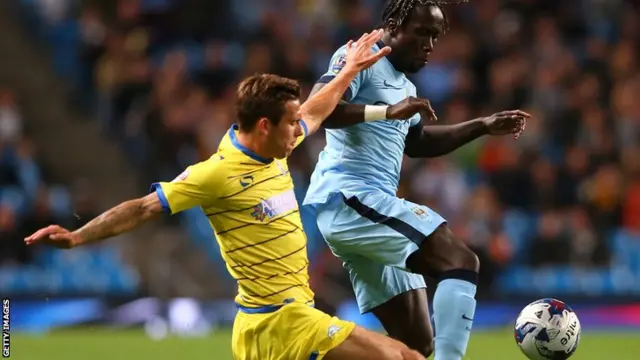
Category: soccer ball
[547,329]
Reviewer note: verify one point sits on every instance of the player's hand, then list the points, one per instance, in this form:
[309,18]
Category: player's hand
[410,106]
[507,122]
[360,55]
[54,235]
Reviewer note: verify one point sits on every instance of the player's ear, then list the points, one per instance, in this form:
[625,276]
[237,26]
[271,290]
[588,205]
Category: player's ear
[263,125]
[392,26]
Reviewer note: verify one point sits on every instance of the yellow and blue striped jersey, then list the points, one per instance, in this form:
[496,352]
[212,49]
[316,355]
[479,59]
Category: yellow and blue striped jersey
[252,208]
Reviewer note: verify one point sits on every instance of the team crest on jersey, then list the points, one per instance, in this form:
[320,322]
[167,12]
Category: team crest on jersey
[274,206]
[420,212]
[339,63]
[182,177]
[333,329]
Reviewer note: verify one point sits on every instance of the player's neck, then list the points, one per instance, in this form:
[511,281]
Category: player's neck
[253,143]
[386,40]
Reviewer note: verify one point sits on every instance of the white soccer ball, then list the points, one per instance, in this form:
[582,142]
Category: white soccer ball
[547,329]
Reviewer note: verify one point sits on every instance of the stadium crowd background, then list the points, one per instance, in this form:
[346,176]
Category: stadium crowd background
[557,211]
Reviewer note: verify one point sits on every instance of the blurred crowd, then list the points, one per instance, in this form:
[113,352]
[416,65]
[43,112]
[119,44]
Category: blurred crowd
[161,75]
[29,197]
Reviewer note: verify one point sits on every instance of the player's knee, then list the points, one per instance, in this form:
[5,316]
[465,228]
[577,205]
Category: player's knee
[460,255]
[469,260]
[403,353]
[396,350]
[461,258]
[442,251]
[408,354]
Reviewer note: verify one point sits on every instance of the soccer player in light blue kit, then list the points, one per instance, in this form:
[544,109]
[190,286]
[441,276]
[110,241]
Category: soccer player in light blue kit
[388,244]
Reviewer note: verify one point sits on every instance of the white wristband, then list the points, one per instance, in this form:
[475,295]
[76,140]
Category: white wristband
[375,112]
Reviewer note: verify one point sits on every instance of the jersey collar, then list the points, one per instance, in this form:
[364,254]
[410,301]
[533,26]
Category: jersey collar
[243,149]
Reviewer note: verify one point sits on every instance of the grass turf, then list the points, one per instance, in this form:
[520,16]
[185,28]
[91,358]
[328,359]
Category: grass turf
[102,344]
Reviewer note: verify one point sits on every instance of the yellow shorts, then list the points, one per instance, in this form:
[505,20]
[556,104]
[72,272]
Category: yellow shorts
[293,332]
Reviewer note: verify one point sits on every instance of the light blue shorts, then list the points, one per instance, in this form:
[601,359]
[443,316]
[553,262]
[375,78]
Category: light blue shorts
[373,234]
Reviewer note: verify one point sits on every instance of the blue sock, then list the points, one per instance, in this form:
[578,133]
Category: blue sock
[454,307]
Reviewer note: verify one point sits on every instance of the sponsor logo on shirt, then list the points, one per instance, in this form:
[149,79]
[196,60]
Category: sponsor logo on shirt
[275,206]
[246,181]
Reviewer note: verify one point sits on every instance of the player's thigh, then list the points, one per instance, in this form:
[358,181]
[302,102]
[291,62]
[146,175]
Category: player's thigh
[363,344]
[406,318]
[442,251]
[294,332]
[375,225]
[375,284]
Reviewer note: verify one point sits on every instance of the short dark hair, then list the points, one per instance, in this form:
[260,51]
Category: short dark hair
[264,95]
[399,10]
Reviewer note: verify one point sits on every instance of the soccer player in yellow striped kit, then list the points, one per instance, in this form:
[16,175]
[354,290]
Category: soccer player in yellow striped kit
[246,191]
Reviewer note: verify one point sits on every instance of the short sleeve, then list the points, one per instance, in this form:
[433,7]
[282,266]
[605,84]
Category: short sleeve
[197,186]
[338,61]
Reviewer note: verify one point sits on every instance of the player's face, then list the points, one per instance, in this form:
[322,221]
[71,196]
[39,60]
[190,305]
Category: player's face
[415,39]
[283,138]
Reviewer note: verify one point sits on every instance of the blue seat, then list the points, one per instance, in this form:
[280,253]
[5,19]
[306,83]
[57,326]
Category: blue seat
[515,280]
[15,198]
[518,226]
[625,248]
[60,201]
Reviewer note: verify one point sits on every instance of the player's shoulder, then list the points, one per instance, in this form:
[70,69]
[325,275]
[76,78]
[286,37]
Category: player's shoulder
[219,168]
[343,49]
[213,166]
[339,59]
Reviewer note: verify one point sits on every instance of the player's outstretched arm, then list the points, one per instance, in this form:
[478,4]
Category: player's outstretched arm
[115,221]
[437,140]
[322,102]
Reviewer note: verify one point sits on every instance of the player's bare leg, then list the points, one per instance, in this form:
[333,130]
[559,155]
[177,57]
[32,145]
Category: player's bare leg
[363,344]
[447,259]
[440,252]
[406,318]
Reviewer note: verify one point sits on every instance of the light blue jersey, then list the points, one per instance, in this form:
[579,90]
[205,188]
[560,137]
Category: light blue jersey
[368,154]
[353,190]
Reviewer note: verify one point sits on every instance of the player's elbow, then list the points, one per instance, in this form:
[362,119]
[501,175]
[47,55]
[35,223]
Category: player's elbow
[415,152]
[411,153]
[414,148]
[338,119]
[151,206]
[311,124]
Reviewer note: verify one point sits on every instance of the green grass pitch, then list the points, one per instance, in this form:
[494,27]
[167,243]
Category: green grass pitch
[102,344]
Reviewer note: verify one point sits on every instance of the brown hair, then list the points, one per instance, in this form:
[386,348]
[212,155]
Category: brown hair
[264,95]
